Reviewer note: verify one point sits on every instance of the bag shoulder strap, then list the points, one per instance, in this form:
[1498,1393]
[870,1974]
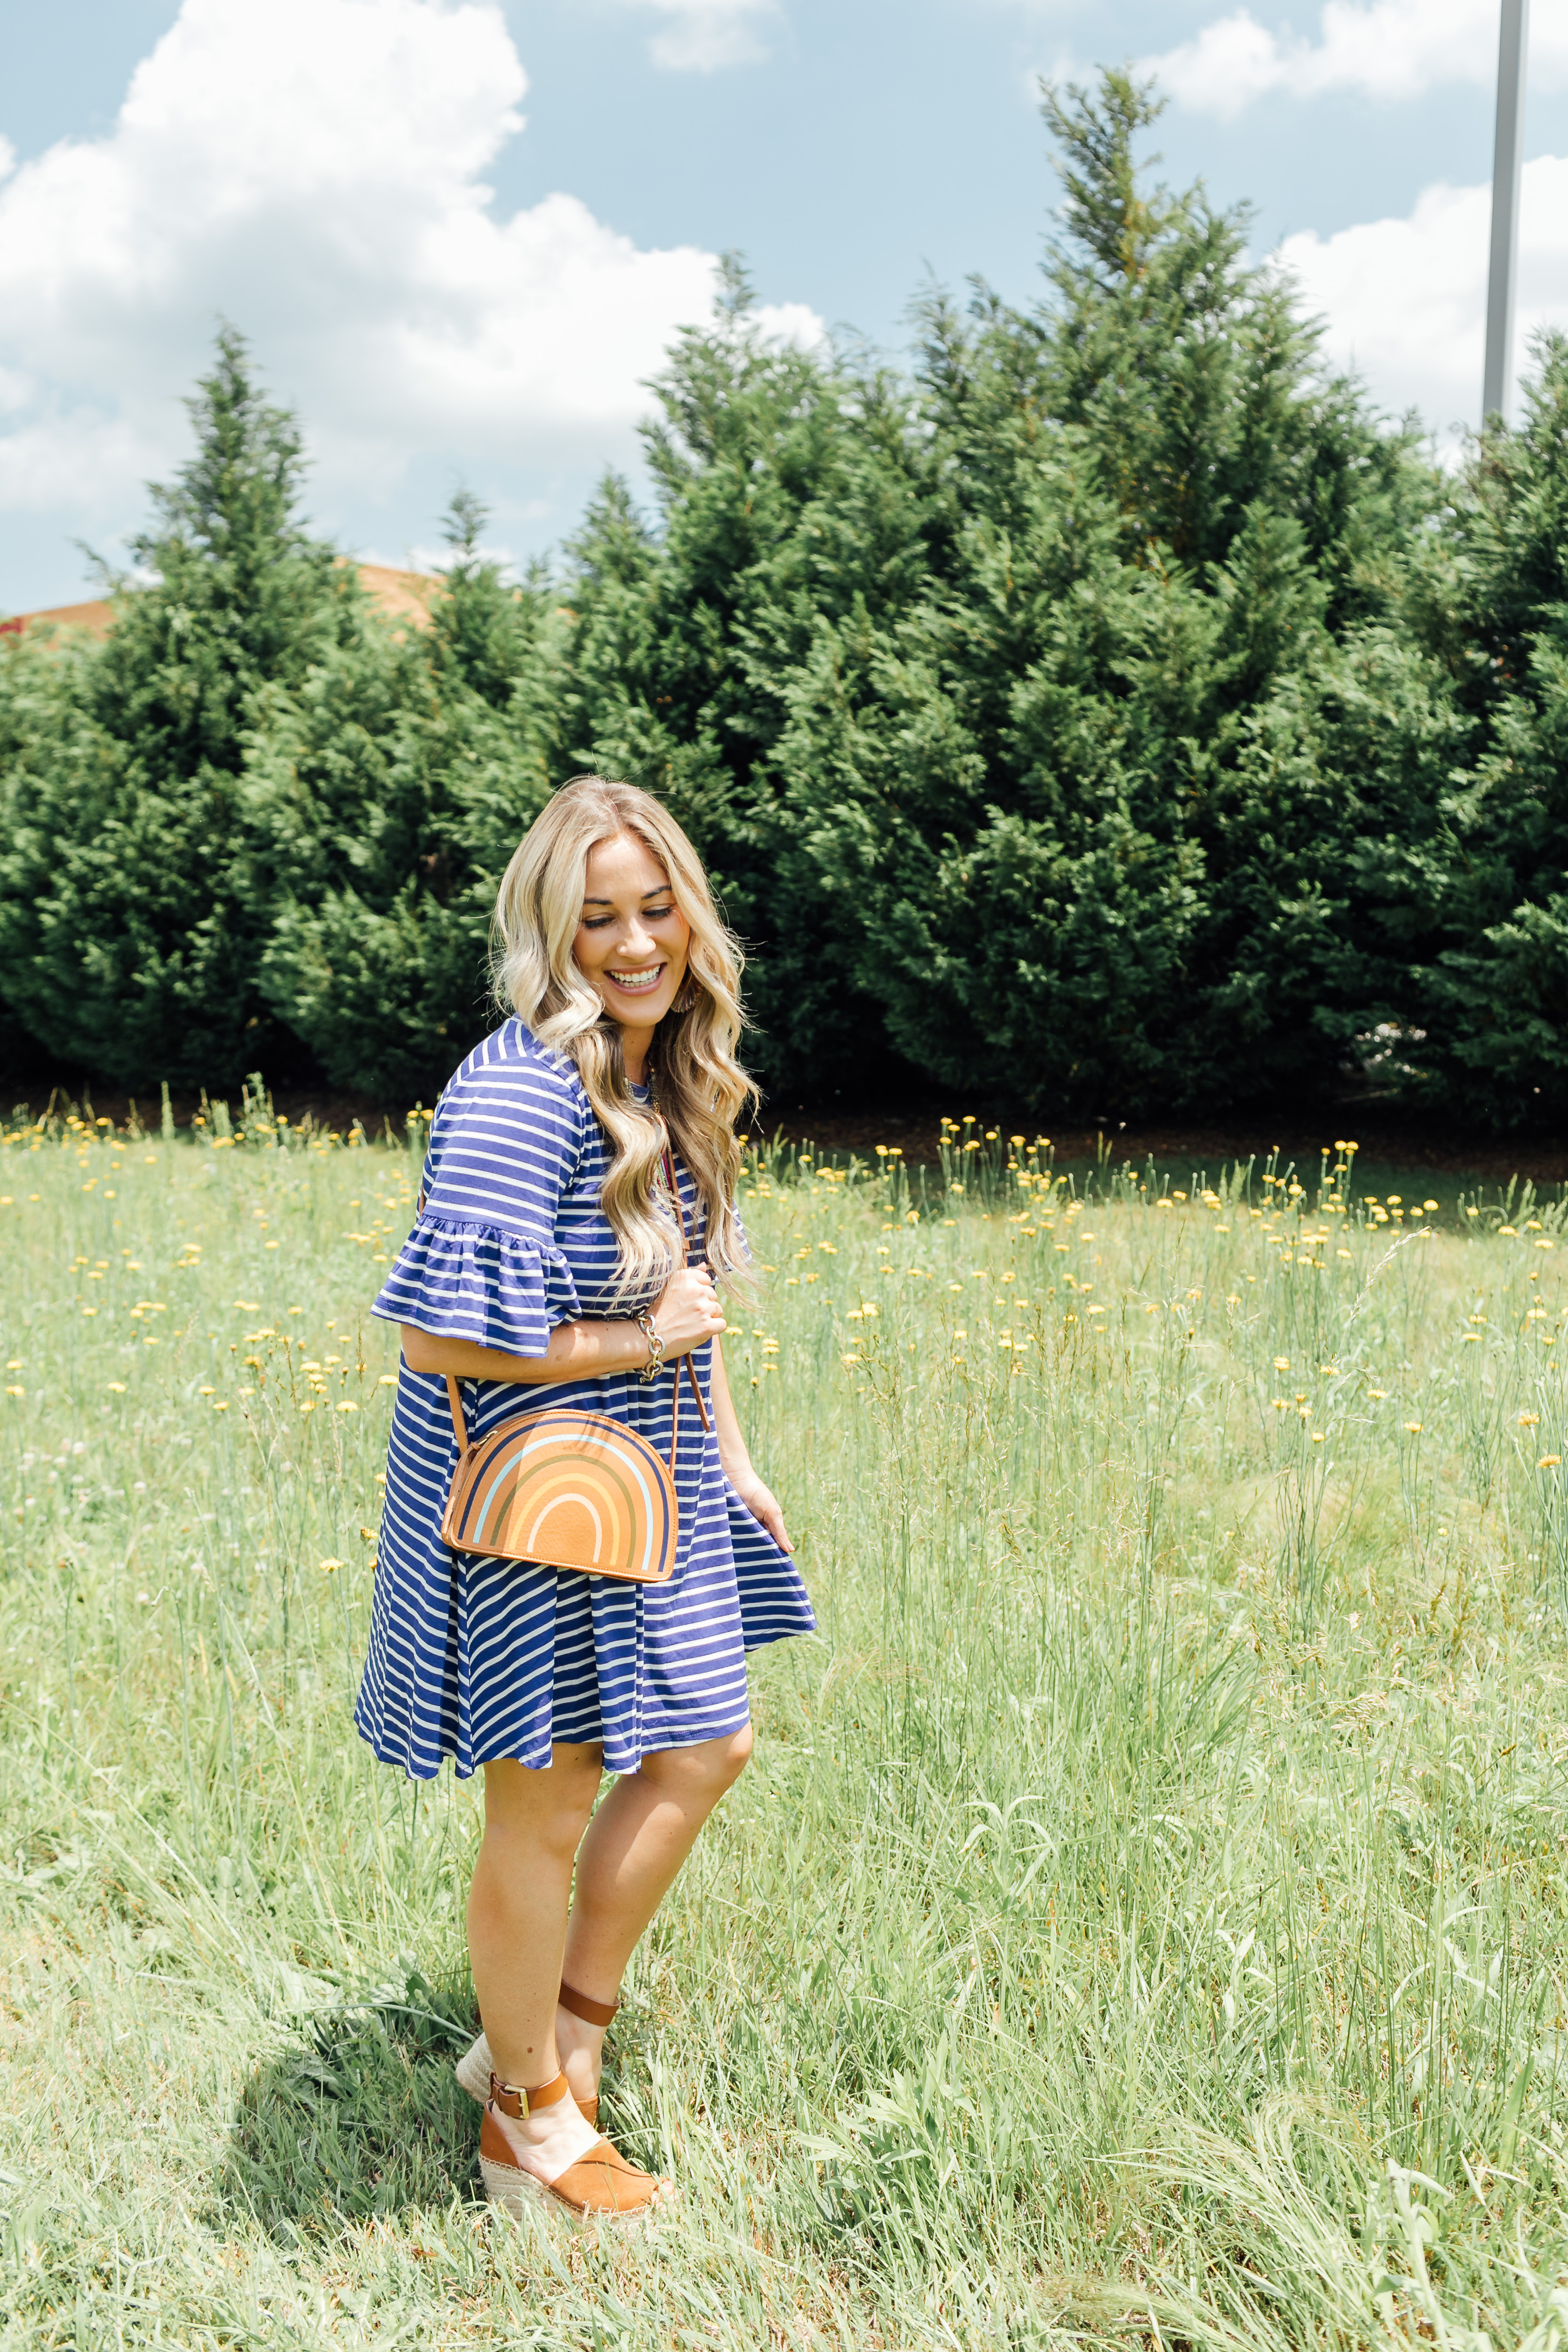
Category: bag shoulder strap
[459,1420]
[679,1205]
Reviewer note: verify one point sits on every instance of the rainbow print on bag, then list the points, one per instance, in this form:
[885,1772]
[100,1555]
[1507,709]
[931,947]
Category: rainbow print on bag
[567,1490]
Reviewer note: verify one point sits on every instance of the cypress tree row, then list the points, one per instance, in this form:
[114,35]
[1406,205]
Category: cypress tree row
[1112,712]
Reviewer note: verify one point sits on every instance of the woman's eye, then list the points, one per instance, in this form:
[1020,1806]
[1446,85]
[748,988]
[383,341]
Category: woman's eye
[651,915]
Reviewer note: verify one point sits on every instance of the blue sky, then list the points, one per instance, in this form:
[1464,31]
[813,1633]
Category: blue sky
[317,170]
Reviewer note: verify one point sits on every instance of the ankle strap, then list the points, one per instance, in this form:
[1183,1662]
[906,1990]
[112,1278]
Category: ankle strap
[512,2099]
[592,2012]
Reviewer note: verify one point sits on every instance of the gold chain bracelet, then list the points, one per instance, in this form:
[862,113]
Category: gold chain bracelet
[650,1331]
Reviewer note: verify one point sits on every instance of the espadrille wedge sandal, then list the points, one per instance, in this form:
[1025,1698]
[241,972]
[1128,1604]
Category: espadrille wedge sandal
[473,2068]
[600,2187]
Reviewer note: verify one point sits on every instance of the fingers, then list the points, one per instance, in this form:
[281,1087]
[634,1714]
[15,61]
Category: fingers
[689,1299]
[764,1509]
[691,1286]
[689,1313]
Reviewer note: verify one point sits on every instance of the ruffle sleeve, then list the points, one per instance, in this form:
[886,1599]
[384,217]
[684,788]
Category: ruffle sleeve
[463,1281]
[483,1262]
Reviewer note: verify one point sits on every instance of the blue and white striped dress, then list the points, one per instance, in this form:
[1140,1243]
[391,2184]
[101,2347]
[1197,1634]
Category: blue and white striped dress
[476,1658]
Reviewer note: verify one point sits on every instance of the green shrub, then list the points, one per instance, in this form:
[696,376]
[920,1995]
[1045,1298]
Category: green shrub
[389,789]
[130,928]
[1495,1006]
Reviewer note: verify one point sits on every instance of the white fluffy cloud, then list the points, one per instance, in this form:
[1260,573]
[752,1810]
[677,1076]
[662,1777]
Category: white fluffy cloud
[1387,49]
[1404,300]
[312,170]
[702,36]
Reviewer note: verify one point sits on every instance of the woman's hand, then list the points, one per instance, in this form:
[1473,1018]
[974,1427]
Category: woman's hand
[737,1462]
[761,1505]
[687,1314]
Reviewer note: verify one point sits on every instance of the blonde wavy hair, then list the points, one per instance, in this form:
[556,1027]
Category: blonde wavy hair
[698,1087]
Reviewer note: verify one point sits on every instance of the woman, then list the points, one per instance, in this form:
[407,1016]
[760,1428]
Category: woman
[545,1257]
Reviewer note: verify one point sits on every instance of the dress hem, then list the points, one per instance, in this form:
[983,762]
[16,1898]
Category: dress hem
[725,1729]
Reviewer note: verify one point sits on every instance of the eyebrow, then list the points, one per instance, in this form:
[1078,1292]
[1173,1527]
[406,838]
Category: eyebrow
[662,892]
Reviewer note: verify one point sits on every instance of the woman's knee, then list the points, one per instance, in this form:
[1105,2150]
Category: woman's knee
[548,1808]
[705,1770]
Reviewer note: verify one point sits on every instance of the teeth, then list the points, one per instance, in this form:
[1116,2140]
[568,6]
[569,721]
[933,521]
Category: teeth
[637,980]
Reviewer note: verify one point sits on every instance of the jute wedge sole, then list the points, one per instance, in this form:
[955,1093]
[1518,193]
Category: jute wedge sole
[506,2185]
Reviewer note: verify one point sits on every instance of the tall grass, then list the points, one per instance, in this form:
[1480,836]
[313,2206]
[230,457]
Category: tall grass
[1144,1917]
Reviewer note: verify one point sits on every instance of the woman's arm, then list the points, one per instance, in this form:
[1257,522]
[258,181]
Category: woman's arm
[687,1314]
[737,1462]
[577,1351]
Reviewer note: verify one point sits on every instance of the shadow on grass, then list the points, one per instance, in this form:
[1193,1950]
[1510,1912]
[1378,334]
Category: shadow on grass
[362,2116]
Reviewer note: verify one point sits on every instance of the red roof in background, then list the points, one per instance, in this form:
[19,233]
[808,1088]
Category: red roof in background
[399,595]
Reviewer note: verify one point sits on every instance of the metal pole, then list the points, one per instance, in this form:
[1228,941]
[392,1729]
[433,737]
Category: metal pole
[1507,158]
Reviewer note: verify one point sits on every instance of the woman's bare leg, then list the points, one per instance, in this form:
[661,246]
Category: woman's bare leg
[517,1929]
[626,1865]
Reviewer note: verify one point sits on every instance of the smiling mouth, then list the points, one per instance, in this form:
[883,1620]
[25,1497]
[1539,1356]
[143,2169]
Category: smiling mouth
[637,983]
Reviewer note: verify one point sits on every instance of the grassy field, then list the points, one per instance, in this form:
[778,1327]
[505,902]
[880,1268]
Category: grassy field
[1145,1918]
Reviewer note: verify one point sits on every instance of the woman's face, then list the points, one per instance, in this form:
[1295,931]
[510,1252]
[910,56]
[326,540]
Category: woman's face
[632,937]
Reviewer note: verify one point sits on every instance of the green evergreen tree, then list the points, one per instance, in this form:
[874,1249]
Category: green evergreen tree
[779,476]
[1494,982]
[130,930]
[388,791]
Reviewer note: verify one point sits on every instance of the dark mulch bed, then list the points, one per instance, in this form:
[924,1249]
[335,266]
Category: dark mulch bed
[1383,1143]
[1389,1141]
